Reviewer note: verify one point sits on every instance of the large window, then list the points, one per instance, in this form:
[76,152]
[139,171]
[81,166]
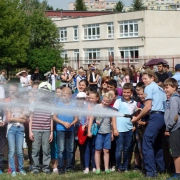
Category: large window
[76,33]
[91,55]
[63,34]
[130,54]
[110,30]
[128,29]
[92,32]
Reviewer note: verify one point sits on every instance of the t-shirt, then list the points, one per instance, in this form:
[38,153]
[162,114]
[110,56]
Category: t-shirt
[162,77]
[65,117]
[41,120]
[124,124]
[104,122]
[2,79]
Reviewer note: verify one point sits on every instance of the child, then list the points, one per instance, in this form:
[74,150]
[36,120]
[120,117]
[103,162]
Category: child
[15,135]
[54,146]
[90,141]
[172,121]
[65,132]
[124,133]
[104,135]
[41,130]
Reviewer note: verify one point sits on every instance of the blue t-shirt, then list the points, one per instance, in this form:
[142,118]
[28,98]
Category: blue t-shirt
[124,124]
[65,117]
[157,95]
[177,77]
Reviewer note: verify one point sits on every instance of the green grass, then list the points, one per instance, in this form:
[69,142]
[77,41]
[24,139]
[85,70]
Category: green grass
[78,175]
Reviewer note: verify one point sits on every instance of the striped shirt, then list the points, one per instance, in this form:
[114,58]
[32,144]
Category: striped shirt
[41,120]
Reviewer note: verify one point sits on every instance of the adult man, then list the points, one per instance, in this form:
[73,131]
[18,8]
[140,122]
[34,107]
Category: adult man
[177,74]
[162,76]
[155,104]
[36,76]
[166,69]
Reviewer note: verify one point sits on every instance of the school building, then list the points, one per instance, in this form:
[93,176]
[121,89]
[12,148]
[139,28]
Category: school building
[125,38]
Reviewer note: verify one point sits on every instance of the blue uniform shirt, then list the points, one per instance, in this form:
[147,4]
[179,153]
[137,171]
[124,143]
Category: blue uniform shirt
[157,95]
[177,77]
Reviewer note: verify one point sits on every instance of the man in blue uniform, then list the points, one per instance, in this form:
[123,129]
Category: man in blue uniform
[155,105]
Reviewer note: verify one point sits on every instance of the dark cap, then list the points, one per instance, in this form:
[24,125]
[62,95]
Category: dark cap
[177,67]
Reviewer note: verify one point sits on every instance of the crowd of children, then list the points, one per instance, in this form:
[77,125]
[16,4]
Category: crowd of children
[105,143]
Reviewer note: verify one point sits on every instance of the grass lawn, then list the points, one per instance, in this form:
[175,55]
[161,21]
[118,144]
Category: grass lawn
[80,176]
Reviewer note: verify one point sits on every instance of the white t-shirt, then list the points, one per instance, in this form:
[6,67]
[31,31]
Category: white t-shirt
[53,78]
[23,81]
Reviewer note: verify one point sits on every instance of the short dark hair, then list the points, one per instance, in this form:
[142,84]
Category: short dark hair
[85,81]
[171,82]
[166,65]
[128,86]
[140,85]
[112,82]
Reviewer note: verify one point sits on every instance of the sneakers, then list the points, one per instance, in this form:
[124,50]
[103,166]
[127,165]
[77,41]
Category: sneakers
[98,171]
[61,171]
[107,171]
[13,174]
[55,170]
[1,172]
[94,170]
[175,176]
[113,169]
[23,173]
[86,171]
[35,171]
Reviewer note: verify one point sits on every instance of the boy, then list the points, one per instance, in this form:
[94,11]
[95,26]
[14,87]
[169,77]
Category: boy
[41,131]
[172,121]
[65,131]
[123,132]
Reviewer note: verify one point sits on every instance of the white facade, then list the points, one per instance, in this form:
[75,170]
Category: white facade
[127,37]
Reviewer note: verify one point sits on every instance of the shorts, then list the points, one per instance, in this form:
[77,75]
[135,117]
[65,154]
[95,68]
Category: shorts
[174,145]
[103,141]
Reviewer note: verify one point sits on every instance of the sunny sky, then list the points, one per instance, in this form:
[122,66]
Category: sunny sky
[63,4]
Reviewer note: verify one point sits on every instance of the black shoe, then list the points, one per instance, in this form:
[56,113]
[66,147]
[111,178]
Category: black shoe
[61,171]
[35,171]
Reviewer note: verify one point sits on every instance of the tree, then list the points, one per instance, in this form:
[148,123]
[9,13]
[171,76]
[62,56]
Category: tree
[137,5]
[119,6]
[44,48]
[14,36]
[80,5]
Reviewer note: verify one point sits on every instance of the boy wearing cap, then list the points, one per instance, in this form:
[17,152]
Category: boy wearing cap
[41,130]
[177,74]
[172,121]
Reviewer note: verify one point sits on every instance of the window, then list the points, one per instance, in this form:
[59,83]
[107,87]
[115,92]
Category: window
[63,34]
[110,30]
[111,52]
[92,32]
[129,54]
[76,33]
[64,56]
[159,8]
[128,28]
[91,55]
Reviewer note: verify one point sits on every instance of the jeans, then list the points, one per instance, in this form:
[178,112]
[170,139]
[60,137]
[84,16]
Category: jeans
[89,152]
[123,142]
[2,144]
[15,141]
[41,138]
[65,141]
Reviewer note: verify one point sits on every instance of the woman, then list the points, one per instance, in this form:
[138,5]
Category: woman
[25,81]
[93,79]
[117,77]
[104,89]
[126,77]
[65,77]
[52,78]
[79,77]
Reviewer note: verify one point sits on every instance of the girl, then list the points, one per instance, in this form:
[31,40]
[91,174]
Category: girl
[15,135]
[79,77]
[104,89]
[104,136]
[90,141]
[126,77]
[117,76]
[52,78]
[65,77]
[93,79]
